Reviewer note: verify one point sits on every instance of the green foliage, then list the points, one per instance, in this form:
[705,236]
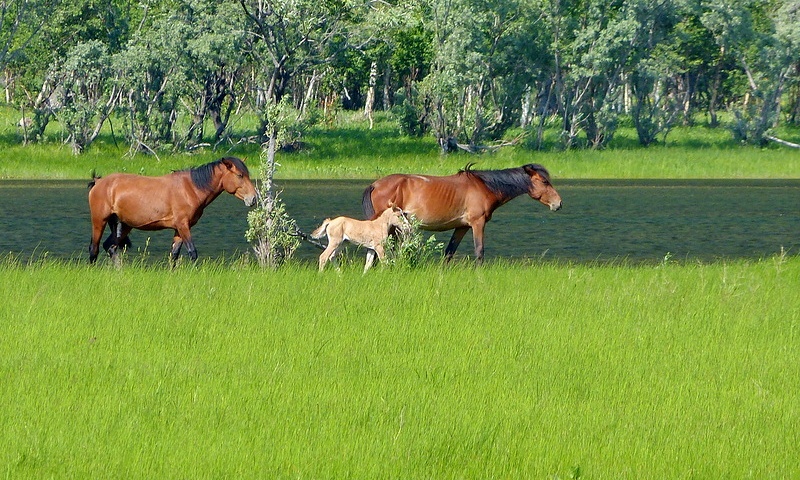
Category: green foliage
[412,54]
[273,233]
[409,118]
[270,228]
[88,97]
[187,71]
[289,124]
[408,248]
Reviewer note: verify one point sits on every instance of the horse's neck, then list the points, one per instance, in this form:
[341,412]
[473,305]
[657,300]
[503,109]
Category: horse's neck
[501,194]
[383,224]
[209,194]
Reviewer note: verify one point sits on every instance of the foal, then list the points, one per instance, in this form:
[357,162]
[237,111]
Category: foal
[367,233]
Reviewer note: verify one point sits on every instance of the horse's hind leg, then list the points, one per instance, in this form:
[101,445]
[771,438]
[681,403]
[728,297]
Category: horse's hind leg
[123,240]
[111,240]
[458,235]
[118,238]
[98,225]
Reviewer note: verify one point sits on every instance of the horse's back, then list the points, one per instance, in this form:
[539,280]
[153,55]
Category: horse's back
[140,201]
[438,202]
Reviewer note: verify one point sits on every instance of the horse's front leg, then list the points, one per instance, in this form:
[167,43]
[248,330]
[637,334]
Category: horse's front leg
[186,236]
[177,243]
[455,240]
[477,237]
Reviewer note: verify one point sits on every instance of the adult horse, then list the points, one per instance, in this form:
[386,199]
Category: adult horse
[461,201]
[125,201]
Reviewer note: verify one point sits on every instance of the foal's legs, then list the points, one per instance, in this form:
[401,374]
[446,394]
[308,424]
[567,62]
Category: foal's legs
[370,259]
[378,250]
[329,253]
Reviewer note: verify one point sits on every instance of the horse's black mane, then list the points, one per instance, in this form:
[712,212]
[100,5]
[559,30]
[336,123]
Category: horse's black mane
[202,175]
[510,182]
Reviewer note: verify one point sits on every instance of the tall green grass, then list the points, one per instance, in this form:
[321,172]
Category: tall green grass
[540,370]
[348,148]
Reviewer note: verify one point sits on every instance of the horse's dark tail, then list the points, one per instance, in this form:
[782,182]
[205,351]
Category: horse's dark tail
[366,203]
[94,179]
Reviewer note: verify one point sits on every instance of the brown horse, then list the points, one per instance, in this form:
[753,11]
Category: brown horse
[176,201]
[461,201]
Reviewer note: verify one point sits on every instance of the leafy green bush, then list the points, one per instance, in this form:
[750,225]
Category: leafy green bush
[409,248]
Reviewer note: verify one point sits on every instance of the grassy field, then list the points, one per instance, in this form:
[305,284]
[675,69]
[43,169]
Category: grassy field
[352,150]
[511,370]
[538,370]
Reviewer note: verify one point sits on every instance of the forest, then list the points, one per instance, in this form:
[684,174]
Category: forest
[474,74]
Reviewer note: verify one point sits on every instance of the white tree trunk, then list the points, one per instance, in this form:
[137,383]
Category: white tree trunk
[369,104]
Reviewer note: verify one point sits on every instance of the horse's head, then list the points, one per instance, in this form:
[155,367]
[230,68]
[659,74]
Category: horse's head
[541,189]
[236,180]
[397,217]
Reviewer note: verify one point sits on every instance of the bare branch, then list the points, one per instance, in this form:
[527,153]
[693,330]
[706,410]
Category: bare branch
[782,142]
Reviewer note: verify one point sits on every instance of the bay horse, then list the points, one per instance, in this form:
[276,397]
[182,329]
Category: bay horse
[368,233]
[461,201]
[125,201]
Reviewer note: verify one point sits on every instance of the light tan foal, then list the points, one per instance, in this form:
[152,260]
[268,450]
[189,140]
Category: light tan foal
[368,233]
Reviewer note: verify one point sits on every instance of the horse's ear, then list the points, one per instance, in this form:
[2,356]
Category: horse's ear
[229,163]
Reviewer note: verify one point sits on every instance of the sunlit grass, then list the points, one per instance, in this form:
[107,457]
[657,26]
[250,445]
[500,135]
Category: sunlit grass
[512,370]
[347,148]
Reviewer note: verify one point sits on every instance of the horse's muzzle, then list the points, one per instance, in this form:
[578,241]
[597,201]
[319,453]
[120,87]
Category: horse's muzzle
[250,201]
[554,207]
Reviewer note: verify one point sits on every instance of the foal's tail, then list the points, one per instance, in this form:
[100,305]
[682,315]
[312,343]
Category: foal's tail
[366,203]
[321,230]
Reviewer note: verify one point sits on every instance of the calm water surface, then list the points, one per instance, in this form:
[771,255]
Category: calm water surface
[601,220]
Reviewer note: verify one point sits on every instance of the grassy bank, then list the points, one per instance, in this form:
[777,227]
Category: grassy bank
[349,149]
[506,371]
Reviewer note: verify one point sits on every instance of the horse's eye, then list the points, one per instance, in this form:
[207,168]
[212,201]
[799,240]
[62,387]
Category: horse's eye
[240,175]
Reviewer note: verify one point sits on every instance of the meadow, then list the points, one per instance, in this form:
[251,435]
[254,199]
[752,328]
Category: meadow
[541,370]
[525,369]
[347,148]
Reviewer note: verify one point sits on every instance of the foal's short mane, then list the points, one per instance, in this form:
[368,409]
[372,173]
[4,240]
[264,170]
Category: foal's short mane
[204,174]
[507,182]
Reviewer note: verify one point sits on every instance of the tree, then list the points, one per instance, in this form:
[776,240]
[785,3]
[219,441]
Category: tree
[214,65]
[761,37]
[151,78]
[481,65]
[287,40]
[54,28]
[787,30]
[654,109]
[88,96]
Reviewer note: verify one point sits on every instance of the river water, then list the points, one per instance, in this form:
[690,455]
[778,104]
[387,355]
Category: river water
[639,221]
